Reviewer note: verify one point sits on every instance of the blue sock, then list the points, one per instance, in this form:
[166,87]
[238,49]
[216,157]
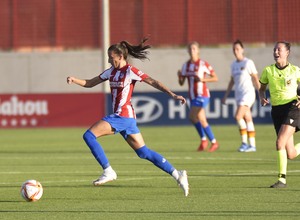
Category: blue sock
[96,149]
[155,158]
[200,129]
[209,133]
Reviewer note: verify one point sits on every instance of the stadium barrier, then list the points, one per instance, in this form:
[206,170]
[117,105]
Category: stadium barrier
[75,110]
[50,110]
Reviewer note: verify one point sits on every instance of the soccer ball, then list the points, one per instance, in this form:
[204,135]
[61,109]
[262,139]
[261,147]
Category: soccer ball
[31,190]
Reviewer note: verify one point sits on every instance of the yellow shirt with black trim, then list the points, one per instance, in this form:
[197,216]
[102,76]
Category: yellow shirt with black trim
[283,83]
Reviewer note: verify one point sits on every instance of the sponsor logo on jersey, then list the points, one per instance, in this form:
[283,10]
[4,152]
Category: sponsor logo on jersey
[116,84]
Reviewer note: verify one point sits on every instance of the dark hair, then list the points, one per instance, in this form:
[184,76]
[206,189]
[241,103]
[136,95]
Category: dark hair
[137,51]
[238,42]
[286,43]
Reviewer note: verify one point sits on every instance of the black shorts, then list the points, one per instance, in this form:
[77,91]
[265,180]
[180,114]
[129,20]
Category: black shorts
[287,114]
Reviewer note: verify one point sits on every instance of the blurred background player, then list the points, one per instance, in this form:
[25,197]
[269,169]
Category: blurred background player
[122,78]
[282,78]
[244,79]
[198,72]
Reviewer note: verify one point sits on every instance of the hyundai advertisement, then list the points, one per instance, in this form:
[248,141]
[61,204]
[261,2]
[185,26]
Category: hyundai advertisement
[158,108]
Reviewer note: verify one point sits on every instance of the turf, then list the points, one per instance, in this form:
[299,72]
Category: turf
[225,184]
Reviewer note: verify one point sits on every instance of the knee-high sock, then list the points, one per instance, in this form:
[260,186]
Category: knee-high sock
[251,133]
[243,130]
[200,130]
[209,133]
[155,158]
[96,149]
[282,165]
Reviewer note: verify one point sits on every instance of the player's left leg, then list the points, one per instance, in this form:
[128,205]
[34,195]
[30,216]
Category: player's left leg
[193,116]
[137,143]
[284,142]
[208,131]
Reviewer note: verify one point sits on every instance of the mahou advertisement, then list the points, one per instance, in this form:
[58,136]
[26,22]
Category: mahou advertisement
[50,110]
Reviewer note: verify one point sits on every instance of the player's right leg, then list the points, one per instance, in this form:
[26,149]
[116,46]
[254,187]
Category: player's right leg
[242,125]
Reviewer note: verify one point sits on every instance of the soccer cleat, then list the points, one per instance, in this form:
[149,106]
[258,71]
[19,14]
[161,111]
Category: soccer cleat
[105,177]
[278,184]
[183,181]
[203,145]
[214,147]
[250,149]
[243,147]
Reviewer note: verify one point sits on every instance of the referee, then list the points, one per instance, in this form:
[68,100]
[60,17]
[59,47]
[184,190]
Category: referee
[282,79]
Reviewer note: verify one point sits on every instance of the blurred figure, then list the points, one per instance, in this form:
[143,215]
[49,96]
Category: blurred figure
[198,72]
[122,78]
[282,78]
[244,78]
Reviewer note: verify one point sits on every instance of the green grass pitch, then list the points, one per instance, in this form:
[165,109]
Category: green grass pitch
[224,184]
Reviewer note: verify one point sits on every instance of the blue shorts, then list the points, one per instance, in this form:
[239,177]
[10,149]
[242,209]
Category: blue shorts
[200,101]
[122,125]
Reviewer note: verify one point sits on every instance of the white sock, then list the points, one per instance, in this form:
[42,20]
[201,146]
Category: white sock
[251,133]
[108,169]
[243,130]
[175,174]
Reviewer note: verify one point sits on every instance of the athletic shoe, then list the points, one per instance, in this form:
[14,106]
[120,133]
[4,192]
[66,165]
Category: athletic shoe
[278,184]
[203,145]
[213,147]
[250,149]
[243,147]
[183,181]
[105,177]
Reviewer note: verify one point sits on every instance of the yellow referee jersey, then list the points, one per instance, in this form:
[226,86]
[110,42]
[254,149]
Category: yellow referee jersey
[283,83]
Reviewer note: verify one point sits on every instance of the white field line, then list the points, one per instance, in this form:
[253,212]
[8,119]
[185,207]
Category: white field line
[225,172]
[89,181]
[237,173]
[134,157]
[220,172]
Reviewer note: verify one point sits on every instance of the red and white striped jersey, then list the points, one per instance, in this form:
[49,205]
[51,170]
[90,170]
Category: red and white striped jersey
[122,83]
[194,71]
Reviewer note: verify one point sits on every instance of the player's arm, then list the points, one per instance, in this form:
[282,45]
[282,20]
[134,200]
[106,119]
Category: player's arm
[158,85]
[212,78]
[88,83]
[229,88]
[255,81]
[262,94]
[181,78]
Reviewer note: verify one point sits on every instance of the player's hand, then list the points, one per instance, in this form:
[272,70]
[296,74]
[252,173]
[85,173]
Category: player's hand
[298,103]
[179,73]
[197,78]
[180,98]
[223,101]
[70,79]
[264,102]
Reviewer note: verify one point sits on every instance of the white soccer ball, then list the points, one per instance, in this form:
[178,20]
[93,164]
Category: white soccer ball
[31,190]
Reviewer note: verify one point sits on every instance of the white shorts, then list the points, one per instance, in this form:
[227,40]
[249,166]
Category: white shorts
[247,100]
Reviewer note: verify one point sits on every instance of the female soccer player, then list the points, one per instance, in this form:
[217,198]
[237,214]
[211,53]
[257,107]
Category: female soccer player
[198,72]
[122,77]
[282,78]
[244,77]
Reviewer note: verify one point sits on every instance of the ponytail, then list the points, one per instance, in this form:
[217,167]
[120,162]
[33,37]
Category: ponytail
[137,51]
